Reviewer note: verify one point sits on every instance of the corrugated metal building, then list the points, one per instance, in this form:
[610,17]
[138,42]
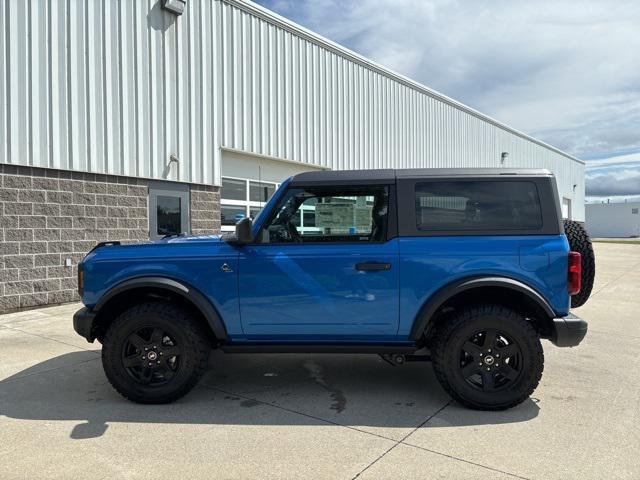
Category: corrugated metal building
[613,219]
[127,117]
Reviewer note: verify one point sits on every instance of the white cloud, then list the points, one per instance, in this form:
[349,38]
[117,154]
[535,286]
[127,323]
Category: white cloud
[614,161]
[567,72]
[615,183]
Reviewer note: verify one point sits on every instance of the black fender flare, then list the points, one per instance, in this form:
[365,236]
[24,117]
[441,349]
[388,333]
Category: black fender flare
[189,293]
[432,305]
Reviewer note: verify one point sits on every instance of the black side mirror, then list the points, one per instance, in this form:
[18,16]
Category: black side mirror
[244,231]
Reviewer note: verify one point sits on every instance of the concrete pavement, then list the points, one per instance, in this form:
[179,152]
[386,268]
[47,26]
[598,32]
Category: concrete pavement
[325,416]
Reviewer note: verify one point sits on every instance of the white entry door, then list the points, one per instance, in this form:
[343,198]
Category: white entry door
[566,208]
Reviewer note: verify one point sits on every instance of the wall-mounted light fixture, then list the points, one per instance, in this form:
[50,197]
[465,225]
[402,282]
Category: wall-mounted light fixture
[173,159]
[503,157]
[174,6]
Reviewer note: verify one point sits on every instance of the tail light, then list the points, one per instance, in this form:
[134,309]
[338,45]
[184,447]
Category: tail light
[574,283]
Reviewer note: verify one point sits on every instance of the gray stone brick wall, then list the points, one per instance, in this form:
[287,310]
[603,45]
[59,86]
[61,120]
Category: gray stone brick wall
[49,216]
[205,209]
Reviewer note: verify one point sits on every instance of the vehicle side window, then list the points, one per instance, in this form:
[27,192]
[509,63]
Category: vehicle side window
[477,206]
[336,214]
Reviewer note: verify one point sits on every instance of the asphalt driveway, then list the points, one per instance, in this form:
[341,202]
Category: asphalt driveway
[325,416]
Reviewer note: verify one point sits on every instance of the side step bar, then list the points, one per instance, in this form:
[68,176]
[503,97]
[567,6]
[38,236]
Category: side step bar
[313,348]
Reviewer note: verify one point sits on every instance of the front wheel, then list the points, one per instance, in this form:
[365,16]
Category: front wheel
[154,353]
[488,357]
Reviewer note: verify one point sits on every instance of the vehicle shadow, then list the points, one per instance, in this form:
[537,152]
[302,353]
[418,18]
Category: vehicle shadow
[359,391]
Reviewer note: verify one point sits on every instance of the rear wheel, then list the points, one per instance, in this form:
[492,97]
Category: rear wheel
[488,357]
[154,353]
[580,242]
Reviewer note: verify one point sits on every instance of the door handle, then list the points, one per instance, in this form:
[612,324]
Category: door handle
[372,266]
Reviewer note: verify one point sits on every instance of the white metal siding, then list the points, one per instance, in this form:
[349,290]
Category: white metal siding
[116,86]
[288,94]
[108,86]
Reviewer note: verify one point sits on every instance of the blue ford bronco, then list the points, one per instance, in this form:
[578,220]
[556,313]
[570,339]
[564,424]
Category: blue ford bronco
[466,268]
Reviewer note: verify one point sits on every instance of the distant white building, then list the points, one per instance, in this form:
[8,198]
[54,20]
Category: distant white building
[613,219]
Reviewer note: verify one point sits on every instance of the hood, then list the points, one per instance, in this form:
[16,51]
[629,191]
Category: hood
[188,239]
[166,248]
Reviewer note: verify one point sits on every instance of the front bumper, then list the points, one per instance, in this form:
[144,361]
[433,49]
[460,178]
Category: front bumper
[83,321]
[568,331]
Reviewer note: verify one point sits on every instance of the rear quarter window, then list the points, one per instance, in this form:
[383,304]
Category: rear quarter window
[477,205]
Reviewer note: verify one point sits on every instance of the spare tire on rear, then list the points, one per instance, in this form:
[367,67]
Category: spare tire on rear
[580,242]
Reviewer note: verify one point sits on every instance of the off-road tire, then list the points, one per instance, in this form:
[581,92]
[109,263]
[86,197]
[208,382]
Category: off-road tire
[456,329]
[170,318]
[580,242]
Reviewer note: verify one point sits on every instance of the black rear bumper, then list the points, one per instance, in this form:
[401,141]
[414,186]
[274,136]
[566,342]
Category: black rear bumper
[83,321]
[568,331]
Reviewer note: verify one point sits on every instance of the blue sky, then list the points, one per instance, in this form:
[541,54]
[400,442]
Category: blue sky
[564,71]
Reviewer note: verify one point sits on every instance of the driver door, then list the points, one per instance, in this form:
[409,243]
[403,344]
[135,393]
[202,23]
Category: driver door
[325,268]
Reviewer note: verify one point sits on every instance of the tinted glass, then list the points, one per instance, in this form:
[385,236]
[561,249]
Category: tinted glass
[345,214]
[477,206]
[230,215]
[261,192]
[309,218]
[169,214]
[254,211]
[233,189]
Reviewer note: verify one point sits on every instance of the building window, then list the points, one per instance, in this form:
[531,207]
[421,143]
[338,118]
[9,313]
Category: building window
[234,189]
[168,215]
[242,197]
[634,211]
[261,192]
[168,209]
[232,214]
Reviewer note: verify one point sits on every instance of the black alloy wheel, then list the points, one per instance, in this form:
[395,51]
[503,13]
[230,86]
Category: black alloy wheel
[151,356]
[487,357]
[490,360]
[155,352]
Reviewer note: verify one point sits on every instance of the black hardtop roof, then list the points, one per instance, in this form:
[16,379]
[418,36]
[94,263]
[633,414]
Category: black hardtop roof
[390,175]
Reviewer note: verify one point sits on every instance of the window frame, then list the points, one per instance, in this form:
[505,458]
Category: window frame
[247,204]
[392,219]
[168,189]
[547,192]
